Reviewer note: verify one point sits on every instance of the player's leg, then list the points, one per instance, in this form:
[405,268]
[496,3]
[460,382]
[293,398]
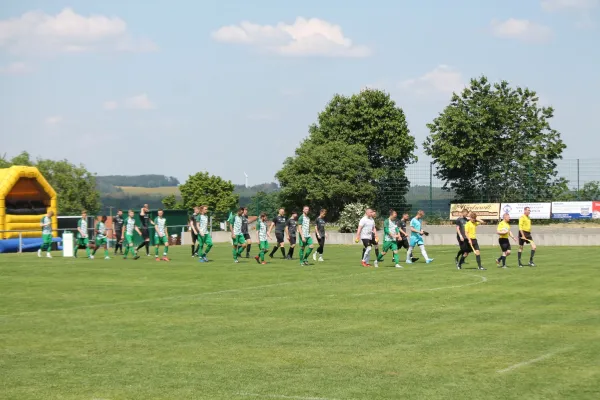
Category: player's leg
[281,242]
[409,252]
[394,248]
[76,247]
[477,254]
[86,243]
[292,247]
[366,252]
[209,244]
[248,244]
[48,244]
[241,244]
[533,247]
[309,242]
[264,247]
[165,243]
[194,244]
[424,252]
[321,248]
[302,244]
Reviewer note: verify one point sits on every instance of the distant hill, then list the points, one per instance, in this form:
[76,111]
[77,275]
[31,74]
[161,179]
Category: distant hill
[150,181]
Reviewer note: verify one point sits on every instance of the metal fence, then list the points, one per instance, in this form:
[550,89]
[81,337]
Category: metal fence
[424,190]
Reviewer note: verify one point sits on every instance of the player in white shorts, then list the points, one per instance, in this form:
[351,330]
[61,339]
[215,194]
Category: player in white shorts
[366,231]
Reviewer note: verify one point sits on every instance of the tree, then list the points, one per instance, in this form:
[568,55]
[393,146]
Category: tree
[590,191]
[328,175]
[209,190]
[369,120]
[74,185]
[350,216]
[494,143]
[265,202]
[169,202]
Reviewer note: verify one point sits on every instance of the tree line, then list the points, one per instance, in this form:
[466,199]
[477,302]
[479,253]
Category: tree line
[491,143]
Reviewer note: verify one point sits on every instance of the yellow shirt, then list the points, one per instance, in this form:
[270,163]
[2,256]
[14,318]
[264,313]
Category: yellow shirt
[471,229]
[502,226]
[525,223]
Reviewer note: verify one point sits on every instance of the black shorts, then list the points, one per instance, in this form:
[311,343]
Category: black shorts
[504,244]
[194,237]
[366,242]
[118,236]
[403,243]
[292,239]
[460,242]
[464,246]
[471,247]
[247,236]
[374,241]
[145,233]
[527,236]
[279,236]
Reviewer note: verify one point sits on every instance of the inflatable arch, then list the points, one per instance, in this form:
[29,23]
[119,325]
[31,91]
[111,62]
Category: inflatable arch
[25,197]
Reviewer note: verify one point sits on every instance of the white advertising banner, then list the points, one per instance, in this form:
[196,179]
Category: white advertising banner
[515,210]
[572,210]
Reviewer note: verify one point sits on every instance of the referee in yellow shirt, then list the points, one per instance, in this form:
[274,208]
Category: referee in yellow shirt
[525,236]
[503,230]
[471,233]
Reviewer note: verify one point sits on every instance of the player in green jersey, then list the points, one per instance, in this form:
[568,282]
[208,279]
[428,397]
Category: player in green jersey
[46,224]
[101,239]
[127,235]
[82,236]
[391,235]
[263,238]
[237,237]
[161,236]
[204,238]
[306,243]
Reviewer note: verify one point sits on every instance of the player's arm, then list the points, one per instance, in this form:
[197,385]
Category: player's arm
[272,225]
[317,231]
[137,230]
[521,232]
[166,230]
[358,231]
[300,220]
[458,232]
[482,222]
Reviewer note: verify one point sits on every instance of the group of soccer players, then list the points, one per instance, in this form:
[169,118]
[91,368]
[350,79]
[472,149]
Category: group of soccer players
[397,235]
[466,234]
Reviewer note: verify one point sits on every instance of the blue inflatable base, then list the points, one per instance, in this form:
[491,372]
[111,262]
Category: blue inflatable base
[29,244]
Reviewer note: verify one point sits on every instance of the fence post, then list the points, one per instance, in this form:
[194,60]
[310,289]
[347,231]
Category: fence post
[210,222]
[20,242]
[430,187]
[578,179]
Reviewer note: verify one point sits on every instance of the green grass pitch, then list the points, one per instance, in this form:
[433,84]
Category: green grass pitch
[115,330]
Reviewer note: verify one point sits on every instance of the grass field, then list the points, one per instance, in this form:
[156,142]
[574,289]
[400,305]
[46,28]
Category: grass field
[99,329]
[157,191]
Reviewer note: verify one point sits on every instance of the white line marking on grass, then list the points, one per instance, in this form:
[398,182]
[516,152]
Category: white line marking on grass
[535,360]
[281,396]
[483,280]
[169,298]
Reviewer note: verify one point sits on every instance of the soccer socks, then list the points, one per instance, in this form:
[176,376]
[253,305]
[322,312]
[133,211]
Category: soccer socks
[282,251]
[156,251]
[87,251]
[519,256]
[193,249]
[240,250]
[377,252]
[531,257]
[291,252]
[95,250]
[301,254]
[462,260]
[273,251]
[248,249]
[478,258]
[409,254]
[261,255]
[307,253]
[422,247]
[503,260]
[141,245]
[105,252]
[367,254]
[458,254]
[234,252]
[396,258]
[208,247]
[166,250]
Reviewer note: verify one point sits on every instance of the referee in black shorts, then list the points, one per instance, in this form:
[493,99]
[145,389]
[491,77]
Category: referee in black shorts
[279,223]
[463,244]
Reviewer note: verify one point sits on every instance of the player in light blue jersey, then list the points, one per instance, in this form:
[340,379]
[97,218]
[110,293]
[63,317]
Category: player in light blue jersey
[416,238]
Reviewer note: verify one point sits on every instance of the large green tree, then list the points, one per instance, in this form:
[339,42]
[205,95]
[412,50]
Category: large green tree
[494,143]
[74,185]
[268,203]
[209,190]
[376,127]
[328,175]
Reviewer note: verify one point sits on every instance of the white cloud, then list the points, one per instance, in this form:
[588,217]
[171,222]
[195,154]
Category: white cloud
[54,120]
[68,32]
[558,5]
[110,105]
[15,68]
[441,80]
[139,102]
[521,29]
[305,37]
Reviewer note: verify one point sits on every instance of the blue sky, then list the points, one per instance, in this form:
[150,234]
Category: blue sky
[176,87]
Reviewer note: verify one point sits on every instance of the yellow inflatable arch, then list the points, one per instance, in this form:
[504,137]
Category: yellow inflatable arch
[25,197]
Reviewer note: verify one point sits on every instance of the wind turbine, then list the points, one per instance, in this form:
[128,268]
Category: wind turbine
[246,175]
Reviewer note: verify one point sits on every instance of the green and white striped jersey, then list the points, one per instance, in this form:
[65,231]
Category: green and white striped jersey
[82,225]
[391,230]
[203,225]
[237,225]
[161,225]
[130,226]
[101,229]
[304,223]
[47,225]
[261,226]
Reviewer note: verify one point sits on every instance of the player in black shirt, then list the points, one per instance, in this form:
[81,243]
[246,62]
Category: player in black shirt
[146,221]
[291,227]
[118,222]
[320,234]
[245,232]
[279,223]
[194,230]
[463,243]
